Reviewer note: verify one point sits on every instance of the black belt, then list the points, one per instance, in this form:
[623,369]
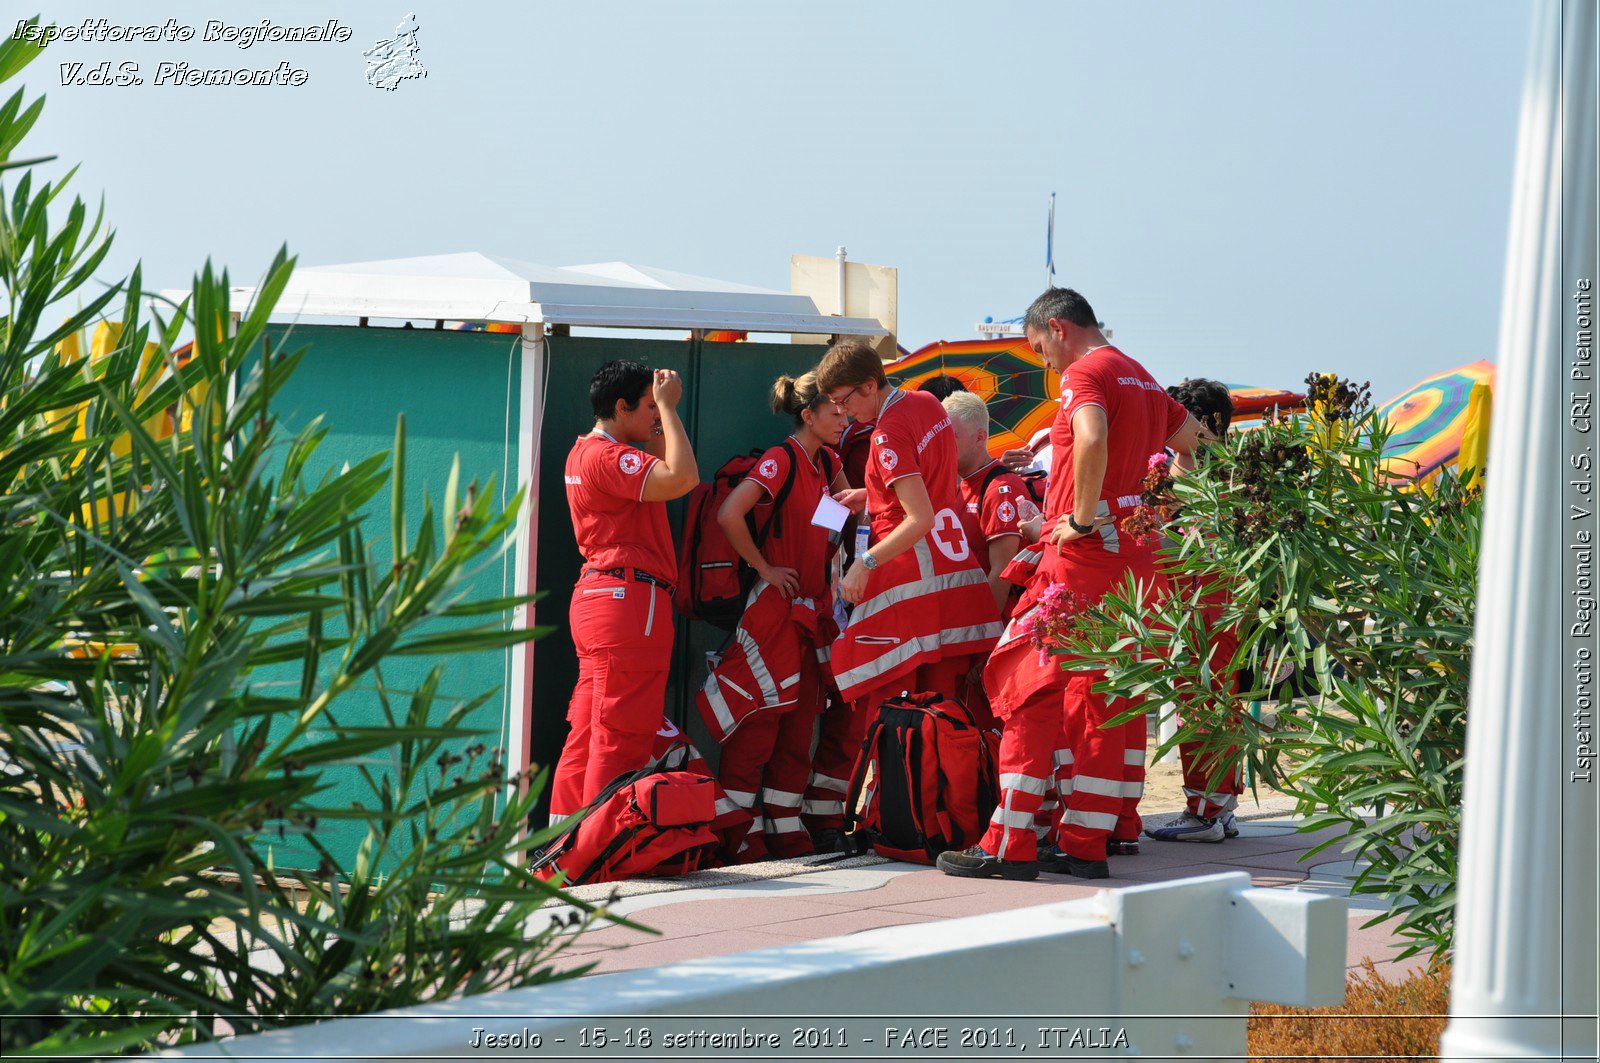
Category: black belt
[638,574]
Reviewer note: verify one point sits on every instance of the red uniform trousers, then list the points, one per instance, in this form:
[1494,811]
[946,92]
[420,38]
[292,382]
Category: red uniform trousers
[844,725]
[1206,793]
[622,631]
[1053,738]
[766,766]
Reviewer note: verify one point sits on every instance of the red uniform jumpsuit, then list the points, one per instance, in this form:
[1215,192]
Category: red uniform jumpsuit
[766,761]
[838,737]
[1052,717]
[621,619]
[927,613]
[1204,793]
[994,500]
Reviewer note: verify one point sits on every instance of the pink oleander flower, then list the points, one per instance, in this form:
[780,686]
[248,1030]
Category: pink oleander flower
[1156,502]
[1052,619]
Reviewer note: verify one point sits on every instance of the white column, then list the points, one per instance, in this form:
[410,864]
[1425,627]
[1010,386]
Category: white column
[1527,888]
[530,423]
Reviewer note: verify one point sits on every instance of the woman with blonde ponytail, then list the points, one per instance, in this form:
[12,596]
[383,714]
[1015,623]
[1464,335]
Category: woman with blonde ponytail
[763,699]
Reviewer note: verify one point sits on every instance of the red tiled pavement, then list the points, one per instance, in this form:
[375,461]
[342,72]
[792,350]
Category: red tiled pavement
[783,911]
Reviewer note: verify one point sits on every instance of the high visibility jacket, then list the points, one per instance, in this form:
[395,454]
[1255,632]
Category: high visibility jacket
[921,607]
[760,668]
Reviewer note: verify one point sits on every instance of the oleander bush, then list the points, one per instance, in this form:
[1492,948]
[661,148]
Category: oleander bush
[163,552]
[1329,563]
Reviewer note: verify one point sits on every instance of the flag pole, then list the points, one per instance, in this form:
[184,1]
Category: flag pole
[1049,246]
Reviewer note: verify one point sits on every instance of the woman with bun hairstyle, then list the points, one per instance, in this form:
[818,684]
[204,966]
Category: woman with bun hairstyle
[924,614]
[763,699]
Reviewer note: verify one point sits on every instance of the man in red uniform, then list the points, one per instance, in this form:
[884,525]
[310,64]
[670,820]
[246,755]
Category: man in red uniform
[622,605]
[1113,416]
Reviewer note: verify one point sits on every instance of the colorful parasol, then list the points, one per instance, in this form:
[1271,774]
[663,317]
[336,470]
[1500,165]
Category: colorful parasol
[1427,421]
[1023,395]
[1253,403]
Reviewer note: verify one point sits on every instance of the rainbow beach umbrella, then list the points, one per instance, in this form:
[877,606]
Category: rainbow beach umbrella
[1022,395]
[1428,421]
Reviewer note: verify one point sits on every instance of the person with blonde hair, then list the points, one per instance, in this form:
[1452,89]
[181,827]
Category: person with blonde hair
[923,611]
[995,500]
[763,699]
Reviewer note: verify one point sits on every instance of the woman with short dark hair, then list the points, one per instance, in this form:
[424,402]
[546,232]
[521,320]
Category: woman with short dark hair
[621,611]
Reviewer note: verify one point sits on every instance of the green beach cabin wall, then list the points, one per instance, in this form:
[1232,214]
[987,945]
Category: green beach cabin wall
[460,395]
[511,411]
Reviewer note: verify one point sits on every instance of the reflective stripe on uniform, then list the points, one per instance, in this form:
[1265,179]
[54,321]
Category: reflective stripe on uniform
[1028,784]
[1105,821]
[904,592]
[864,673]
[1088,784]
[758,667]
[719,704]
[1133,756]
[1108,531]
[828,782]
[823,808]
[780,797]
[1009,818]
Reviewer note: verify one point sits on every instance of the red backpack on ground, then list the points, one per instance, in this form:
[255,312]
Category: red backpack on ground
[732,823]
[649,822]
[935,779]
[713,580]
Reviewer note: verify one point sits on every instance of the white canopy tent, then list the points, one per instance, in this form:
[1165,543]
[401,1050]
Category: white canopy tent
[473,286]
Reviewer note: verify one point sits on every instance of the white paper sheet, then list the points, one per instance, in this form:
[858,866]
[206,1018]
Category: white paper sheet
[830,515]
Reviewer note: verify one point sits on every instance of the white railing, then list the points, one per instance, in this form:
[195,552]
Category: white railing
[1163,970]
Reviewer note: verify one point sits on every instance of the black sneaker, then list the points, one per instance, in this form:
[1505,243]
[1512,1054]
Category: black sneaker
[829,840]
[1122,847]
[1053,860]
[1057,862]
[975,863]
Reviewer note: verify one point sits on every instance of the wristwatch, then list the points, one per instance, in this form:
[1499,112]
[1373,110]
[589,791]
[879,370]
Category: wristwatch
[1081,529]
[868,562]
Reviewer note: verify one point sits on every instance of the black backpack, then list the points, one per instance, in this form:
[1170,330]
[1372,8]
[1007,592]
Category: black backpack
[936,780]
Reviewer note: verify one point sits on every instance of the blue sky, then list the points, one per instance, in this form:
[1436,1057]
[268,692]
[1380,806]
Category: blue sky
[1245,190]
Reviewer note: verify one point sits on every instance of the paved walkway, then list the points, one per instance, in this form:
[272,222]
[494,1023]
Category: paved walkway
[716,917]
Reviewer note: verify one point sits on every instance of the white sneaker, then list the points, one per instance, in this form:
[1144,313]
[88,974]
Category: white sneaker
[1187,827]
[1230,826]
